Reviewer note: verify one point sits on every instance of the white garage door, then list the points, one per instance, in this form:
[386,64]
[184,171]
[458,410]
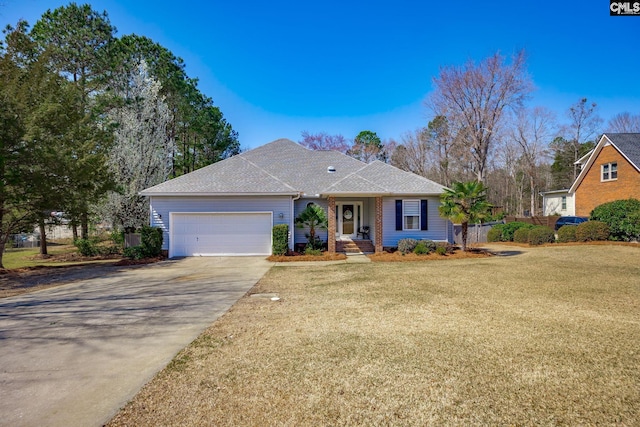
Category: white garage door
[210,234]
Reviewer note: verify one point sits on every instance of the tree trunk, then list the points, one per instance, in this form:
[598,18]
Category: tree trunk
[3,241]
[74,230]
[532,186]
[43,237]
[84,222]
[465,232]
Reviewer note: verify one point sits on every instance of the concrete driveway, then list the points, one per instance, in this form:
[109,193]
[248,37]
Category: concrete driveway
[75,354]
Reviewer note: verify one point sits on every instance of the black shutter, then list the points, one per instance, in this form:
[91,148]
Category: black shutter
[423,215]
[398,214]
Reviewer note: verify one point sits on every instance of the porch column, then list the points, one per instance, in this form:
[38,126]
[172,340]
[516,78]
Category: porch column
[378,233]
[331,238]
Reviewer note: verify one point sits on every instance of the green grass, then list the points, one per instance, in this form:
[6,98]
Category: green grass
[548,336]
[28,257]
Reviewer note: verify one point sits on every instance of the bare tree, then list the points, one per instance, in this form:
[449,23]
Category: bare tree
[584,124]
[324,141]
[624,123]
[414,154]
[474,98]
[532,131]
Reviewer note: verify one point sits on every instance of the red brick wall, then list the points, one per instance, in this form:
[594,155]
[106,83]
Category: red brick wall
[592,192]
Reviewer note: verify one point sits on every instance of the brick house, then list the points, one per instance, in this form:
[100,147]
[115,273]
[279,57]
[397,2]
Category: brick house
[612,172]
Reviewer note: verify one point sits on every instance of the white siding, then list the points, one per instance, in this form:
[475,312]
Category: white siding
[552,204]
[437,226]
[161,206]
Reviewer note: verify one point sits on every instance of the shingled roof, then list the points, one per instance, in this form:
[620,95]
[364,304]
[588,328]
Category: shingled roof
[628,144]
[284,167]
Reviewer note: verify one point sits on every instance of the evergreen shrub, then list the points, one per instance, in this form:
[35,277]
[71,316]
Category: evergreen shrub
[592,231]
[407,245]
[280,233]
[567,233]
[541,234]
[622,217]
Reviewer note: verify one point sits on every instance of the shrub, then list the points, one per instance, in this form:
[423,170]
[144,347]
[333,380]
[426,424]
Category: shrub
[311,251]
[495,234]
[521,235]
[567,233]
[117,237]
[421,249]
[441,250]
[510,228]
[86,247]
[592,231]
[314,243]
[407,245]
[622,217]
[430,244]
[540,234]
[134,252]
[448,247]
[280,233]
[151,241]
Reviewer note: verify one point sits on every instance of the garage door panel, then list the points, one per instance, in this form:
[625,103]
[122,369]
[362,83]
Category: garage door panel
[221,234]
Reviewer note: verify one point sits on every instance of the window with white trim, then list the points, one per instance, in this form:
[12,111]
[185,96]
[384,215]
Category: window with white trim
[411,214]
[609,171]
[564,203]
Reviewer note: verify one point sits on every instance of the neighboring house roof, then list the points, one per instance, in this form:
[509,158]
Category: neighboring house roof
[285,167]
[563,191]
[627,144]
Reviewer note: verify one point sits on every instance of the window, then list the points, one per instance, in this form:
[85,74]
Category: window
[564,203]
[411,214]
[609,171]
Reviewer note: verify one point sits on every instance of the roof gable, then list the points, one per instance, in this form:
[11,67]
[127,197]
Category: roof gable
[627,144]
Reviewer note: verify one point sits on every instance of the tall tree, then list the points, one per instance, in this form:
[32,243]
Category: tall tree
[13,155]
[532,132]
[474,98]
[584,123]
[367,147]
[464,203]
[141,154]
[202,134]
[624,123]
[78,39]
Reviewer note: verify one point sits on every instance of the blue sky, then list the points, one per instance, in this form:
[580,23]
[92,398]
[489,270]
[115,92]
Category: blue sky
[280,67]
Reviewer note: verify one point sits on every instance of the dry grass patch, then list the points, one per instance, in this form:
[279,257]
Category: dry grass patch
[294,256]
[545,337]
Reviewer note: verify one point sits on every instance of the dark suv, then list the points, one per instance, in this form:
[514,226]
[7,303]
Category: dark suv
[570,220]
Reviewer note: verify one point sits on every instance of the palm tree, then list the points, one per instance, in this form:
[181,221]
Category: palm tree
[465,202]
[312,217]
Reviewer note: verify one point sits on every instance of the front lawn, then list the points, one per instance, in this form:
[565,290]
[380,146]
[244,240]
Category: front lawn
[59,255]
[532,336]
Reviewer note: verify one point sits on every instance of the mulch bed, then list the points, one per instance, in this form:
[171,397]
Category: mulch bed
[296,256]
[410,257]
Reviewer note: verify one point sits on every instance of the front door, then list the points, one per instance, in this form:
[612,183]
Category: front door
[349,219]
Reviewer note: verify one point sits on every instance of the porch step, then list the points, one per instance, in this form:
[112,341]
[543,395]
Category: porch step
[355,246]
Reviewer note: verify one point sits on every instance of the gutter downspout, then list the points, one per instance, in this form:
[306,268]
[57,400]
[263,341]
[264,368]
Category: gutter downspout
[291,220]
